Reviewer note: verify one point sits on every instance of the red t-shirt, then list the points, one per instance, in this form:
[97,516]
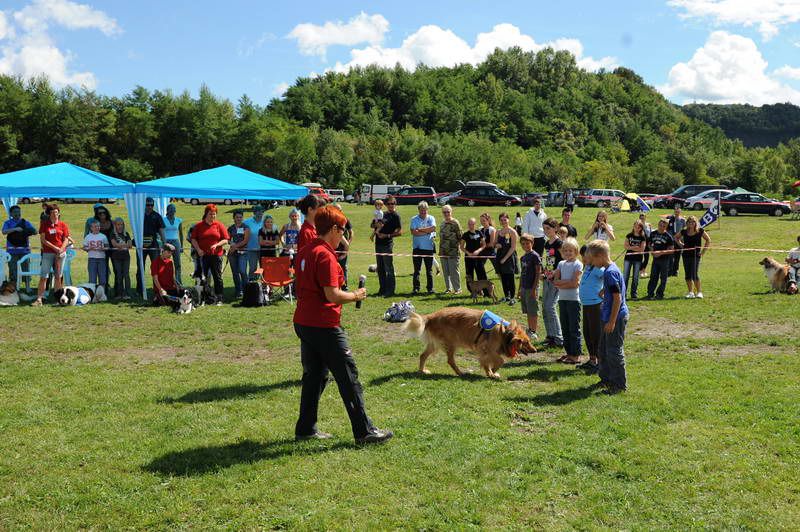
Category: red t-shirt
[307,234]
[208,235]
[164,271]
[55,233]
[315,268]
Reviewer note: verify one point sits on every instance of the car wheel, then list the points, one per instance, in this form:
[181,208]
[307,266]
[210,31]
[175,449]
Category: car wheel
[471,203]
[733,211]
[698,206]
[601,204]
[227,202]
[777,212]
[195,201]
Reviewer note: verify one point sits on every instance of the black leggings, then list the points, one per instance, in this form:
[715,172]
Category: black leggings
[476,268]
[213,264]
[508,285]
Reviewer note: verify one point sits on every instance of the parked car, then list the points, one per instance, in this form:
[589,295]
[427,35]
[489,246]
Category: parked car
[205,201]
[484,193]
[751,203]
[26,201]
[369,193]
[703,201]
[336,194]
[413,195]
[446,198]
[554,199]
[599,197]
[88,200]
[680,195]
[528,197]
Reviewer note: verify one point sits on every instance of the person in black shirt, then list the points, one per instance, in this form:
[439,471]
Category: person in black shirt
[383,244]
[151,247]
[566,216]
[634,244]
[472,244]
[662,244]
[694,242]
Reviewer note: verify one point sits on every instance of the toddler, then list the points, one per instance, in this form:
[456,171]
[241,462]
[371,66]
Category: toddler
[377,218]
[794,267]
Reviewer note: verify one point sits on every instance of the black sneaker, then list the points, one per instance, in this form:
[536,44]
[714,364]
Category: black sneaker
[649,296]
[660,296]
[319,435]
[376,436]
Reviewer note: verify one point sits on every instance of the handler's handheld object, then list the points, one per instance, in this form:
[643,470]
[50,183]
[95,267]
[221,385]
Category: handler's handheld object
[362,280]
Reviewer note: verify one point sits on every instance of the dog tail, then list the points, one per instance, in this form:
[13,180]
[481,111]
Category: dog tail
[415,325]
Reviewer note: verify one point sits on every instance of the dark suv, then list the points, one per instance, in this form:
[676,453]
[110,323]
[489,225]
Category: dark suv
[484,194]
[413,195]
[680,195]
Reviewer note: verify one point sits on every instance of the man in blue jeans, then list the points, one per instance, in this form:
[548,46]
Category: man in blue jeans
[423,231]
[18,232]
[383,248]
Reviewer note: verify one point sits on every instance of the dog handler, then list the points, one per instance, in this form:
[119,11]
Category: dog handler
[323,343]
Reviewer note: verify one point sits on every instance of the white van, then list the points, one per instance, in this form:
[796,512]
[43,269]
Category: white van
[370,193]
[336,194]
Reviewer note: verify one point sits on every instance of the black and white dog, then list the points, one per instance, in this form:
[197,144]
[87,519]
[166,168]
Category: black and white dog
[186,302]
[80,295]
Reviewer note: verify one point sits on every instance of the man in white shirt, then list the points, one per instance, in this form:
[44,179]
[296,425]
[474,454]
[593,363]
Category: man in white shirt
[532,225]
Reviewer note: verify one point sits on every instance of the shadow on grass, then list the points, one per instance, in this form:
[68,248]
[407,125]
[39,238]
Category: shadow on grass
[423,377]
[545,374]
[224,393]
[202,460]
[562,397]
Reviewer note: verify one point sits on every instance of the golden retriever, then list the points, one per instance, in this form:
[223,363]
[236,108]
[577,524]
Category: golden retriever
[458,327]
[777,274]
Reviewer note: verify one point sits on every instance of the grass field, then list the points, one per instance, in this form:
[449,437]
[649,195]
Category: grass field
[126,416]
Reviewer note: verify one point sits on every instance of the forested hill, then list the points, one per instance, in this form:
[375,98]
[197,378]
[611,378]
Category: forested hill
[767,125]
[527,121]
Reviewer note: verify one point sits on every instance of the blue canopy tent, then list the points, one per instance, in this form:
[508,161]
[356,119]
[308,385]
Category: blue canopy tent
[224,182]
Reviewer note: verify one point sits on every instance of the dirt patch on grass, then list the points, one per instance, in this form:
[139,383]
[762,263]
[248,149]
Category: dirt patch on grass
[661,328]
[385,332]
[136,356]
[737,351]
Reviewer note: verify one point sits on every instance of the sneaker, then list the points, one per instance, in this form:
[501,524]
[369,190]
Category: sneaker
[689,295]
[699,295]
[319,435]
[592,369]
[531,334]
[376,436]
[634,298]
[37,303]
[457,293]
[660,296]
[512,302]
[219,303]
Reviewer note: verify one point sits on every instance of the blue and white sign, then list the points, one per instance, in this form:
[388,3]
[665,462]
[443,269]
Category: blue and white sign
[711,214]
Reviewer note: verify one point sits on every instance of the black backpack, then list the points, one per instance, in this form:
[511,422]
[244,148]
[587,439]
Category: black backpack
[253,295]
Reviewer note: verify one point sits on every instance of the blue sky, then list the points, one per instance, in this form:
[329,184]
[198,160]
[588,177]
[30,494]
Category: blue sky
[693,50]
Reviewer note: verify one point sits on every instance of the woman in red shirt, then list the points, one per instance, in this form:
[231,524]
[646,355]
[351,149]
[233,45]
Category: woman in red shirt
[308,206]
[55,240]
[323,343]
[208,237]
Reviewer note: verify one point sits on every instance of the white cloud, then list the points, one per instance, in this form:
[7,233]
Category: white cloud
[313,39]
[280,89]
[767,15]
[36,17]
[438,47]
[28,50]
[727,69]
[247,48]
[788,72]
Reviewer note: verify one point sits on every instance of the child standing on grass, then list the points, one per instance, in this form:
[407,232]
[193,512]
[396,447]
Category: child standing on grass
[794,267]
[590,293]
[567,279]
[377,219]
[614,315]
[96,243]
[552,256]
[528,294]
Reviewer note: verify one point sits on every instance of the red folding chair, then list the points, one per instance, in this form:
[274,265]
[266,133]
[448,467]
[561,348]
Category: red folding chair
[277,272]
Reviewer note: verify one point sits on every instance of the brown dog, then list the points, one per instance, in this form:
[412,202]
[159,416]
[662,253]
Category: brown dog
[477,287]
[777,274]
[458,327]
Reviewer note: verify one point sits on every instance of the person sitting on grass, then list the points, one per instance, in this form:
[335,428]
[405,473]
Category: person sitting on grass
[614,315]
[528,295]
[163,271]
[567,279]
[794,268]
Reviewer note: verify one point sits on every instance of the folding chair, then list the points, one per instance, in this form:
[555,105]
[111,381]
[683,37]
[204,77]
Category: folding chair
[31,266]
[277,272]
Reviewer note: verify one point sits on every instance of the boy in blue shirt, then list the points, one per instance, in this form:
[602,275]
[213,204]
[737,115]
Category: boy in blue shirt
[614,315]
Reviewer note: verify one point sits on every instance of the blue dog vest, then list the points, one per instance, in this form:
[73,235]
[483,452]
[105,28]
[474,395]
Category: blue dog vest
[490,320]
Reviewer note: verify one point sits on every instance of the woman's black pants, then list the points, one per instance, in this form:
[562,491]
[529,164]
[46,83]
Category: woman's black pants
[212,264]
[324,350]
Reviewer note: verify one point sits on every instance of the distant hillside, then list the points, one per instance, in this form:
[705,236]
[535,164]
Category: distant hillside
[764,126]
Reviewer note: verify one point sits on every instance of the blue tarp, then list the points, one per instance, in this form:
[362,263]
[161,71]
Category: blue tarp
[62,180]
[223,182]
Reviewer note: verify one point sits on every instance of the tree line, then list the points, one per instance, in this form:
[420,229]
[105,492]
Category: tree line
[528,121]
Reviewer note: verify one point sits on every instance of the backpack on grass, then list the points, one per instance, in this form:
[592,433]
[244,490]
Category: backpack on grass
[254,295]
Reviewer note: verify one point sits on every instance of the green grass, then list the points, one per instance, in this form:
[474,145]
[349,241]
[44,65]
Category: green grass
[124,416]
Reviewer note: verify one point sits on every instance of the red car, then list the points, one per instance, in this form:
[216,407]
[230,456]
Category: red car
[319,192]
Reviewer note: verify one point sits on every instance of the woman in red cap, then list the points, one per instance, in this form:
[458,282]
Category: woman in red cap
[208,238]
